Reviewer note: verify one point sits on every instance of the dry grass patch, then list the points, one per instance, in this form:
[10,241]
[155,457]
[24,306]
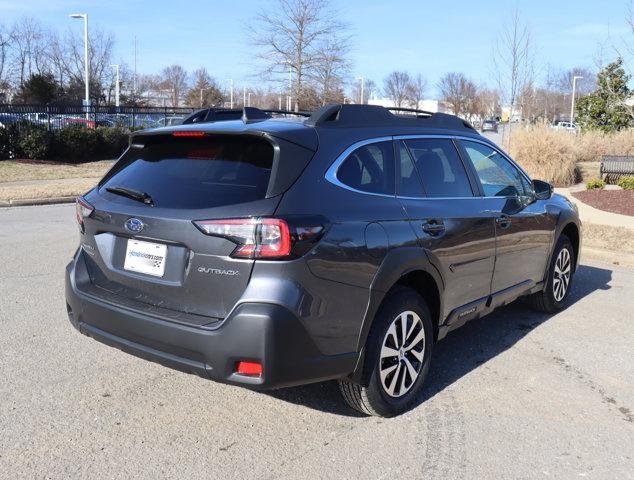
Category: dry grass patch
[53,189]
[551,155]
[24,170]
[545,153]
[590,146]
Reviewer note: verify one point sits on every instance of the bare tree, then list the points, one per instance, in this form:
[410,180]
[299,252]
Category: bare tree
[417,89]
[330,69]
[459,92]
[205,91]
[513,61]
[293,37]
[370,89]
[174,79]
[5,43]
[487,104]
[397,87]
[27,48]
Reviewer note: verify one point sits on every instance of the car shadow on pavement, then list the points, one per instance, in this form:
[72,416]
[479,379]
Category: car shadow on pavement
[463,350]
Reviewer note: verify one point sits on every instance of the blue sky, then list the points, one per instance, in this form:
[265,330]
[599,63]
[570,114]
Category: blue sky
[423,36]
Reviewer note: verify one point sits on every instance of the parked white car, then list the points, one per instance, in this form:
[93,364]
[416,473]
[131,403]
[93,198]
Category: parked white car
[566,126]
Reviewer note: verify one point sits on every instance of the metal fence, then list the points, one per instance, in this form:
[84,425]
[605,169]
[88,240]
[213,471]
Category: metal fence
[55,117]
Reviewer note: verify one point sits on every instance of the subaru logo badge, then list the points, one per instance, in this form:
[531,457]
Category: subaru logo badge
[134,225]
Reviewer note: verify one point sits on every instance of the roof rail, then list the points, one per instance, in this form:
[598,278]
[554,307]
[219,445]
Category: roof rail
[246,114]
[355,115]
[410,110]
[300,113]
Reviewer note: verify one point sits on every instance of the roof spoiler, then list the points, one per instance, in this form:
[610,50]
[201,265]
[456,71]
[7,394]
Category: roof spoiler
[246,114]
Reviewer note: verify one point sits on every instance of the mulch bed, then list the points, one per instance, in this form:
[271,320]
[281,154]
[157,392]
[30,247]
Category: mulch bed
[615,201]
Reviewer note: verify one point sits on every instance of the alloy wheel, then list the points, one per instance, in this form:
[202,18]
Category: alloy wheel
[561,275]
[402,354]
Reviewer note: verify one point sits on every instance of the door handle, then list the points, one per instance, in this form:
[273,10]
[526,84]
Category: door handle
[433,227]
[504,221]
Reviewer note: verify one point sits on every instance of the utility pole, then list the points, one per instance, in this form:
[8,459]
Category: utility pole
[249,99]
[572,106]
[116,86]
[362,79]
[86,65]
[201,98]
[244,96]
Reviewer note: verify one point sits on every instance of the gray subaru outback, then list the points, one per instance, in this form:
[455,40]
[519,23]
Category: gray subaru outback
[268,252]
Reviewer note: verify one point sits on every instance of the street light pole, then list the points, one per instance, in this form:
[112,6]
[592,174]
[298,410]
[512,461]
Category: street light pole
[362,87]
[134,80]
[572,106]
[86,66]
[116,86]
[230,80]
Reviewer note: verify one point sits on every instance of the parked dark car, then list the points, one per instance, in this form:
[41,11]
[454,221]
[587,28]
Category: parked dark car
[8,119]
[490,126]
[268,253]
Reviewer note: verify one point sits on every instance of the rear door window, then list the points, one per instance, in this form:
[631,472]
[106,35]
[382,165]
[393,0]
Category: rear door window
[369,168]
[409,181]
[196,172]
[440,168]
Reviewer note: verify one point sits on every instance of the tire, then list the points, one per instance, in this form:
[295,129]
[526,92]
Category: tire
[390,363]
[551,300]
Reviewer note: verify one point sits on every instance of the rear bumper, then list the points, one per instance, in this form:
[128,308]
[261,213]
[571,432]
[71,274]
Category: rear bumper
[261,332]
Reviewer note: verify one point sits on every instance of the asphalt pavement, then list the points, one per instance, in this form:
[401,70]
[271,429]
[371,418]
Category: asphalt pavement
[515,395]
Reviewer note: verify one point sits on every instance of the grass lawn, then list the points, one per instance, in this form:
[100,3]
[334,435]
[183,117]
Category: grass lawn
[33,179]
[25,170]
[68,187]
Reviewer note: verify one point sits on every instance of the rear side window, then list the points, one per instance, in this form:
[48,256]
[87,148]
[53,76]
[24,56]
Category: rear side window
[369,168]
[440,169]
[196,172]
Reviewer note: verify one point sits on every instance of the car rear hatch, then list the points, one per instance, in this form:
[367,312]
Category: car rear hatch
[147,253]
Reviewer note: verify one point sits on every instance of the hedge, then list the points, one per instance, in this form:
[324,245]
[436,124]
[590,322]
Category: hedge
[74,144]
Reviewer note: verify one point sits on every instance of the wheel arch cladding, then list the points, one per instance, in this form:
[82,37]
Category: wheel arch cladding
[571,230]
[401,267]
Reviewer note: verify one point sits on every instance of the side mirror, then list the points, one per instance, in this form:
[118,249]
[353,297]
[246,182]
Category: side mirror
[543,190]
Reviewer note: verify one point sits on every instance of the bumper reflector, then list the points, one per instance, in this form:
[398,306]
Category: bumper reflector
[253,369]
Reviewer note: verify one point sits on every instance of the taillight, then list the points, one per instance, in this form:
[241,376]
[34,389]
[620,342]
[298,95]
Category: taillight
[83,209]
[266,238]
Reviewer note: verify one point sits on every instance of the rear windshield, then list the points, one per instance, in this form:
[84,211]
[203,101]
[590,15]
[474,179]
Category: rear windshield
[195,172]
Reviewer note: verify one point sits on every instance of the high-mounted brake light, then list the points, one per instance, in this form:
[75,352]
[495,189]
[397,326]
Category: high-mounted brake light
[188,134]
[256,238]
[83,209]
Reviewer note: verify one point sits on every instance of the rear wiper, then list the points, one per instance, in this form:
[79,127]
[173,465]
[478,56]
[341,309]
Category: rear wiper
[133,194]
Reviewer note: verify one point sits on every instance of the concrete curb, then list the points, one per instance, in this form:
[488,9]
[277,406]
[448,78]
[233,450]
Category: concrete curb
[618,258]
[27,202]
